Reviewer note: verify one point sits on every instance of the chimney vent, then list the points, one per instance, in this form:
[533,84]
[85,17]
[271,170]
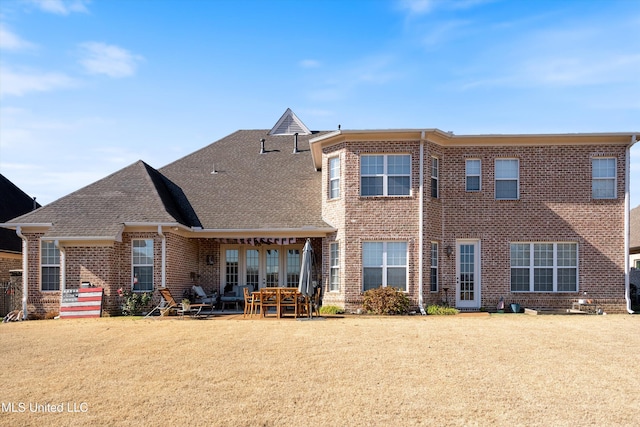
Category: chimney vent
[295,143]
[262,150]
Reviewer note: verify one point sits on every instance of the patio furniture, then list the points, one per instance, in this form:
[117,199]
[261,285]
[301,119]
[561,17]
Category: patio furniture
[308,305]
[288,298]
[268,299]
[251,301]
[193,310]
[202,297]
[235,297]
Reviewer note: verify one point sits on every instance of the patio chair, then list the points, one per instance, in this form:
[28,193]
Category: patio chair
[251,301]
[202,297]
[289,299]
[171,304]
[268,298]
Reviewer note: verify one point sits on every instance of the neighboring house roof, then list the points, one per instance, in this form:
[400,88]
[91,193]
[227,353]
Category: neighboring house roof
[135,194]
[249,190]
[14,202]
[634,230]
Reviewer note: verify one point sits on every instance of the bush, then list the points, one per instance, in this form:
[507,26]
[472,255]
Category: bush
[132,303]
[386,301]
[439,310]
[331,309]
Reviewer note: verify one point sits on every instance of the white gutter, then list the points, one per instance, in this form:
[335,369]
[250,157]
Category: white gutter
[627,184]
[420,228]
[164,257]
[63,267]
[25,271]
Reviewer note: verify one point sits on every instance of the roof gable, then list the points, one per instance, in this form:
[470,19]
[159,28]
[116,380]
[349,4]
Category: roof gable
[289,124]
[136,194]
[14,202]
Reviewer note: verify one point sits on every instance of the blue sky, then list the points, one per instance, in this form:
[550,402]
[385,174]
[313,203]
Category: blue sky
[89,87]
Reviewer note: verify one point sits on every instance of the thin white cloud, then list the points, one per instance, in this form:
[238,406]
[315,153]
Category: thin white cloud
[113,61]
[18,83]
[309,63]
[60,7]
[11,41]
[423,7]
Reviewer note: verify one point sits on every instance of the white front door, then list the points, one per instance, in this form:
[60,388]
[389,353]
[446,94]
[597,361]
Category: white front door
[468,274]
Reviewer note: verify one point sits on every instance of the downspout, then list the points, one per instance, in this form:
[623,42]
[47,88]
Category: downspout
[164,257]
[25,271]
[421,228]
[63,267]
[627,177]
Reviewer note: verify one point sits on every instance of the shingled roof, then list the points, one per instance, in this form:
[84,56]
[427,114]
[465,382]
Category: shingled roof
[251,190]
[230,185]
[135,194]
[634,230]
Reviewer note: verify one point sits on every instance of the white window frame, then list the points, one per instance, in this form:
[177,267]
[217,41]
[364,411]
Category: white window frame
[334,266]
[435,174]
[529,266]
[136,264]
[49,259]
[434,287]
[334,178]
[385,263]
[283,264]
[385,175]
[473,174]
[597,177]
[507,178]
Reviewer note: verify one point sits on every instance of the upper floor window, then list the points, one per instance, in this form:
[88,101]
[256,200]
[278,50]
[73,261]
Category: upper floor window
[50,265]
[142,262]
[507,179]
[384,264]
[603,178]
[385,175]
[472,174]
[435,171]
[334,177]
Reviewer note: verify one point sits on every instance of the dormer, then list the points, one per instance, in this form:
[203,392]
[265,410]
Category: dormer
[289,124]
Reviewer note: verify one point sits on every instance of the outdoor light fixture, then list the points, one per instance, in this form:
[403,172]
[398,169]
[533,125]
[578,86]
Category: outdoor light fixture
[209,259]
[449,250]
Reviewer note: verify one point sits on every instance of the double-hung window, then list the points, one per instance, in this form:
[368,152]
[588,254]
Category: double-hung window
[435,172]
[384,264]
[472,174]
[50,265]
[334,264]
[507,179]
[385,175]
[544,267]
[603,178]
[434,267]
[334,177]
[142,262]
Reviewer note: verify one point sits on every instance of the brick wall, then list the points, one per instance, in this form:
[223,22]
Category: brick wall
[9,262]
[555,205]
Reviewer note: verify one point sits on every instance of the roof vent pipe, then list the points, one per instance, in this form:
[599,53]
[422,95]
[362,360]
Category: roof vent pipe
[262,150]
[295,143]
[35,204]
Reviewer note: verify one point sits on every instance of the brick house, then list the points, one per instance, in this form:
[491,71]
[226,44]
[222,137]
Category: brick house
[536,219]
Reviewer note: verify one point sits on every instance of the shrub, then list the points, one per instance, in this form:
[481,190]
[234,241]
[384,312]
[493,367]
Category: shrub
[386,300]
[331,309]
[440,310]
[133,302]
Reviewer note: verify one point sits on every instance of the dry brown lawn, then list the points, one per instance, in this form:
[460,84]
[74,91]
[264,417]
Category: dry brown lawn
[354,371]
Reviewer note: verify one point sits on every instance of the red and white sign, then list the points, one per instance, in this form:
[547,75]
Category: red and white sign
[81,303]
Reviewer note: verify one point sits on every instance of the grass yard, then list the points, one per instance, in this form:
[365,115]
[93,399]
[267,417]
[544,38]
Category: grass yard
[506,370]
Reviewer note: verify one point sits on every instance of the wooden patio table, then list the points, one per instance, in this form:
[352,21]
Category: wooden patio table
[280,298]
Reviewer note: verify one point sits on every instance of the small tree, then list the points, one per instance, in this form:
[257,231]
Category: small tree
[386,300]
